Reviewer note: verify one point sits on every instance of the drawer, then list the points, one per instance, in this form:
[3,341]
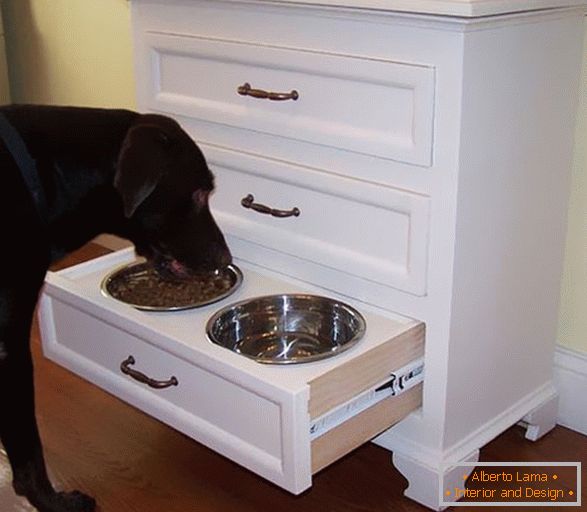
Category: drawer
[375,232]
[284,423]
[362,105]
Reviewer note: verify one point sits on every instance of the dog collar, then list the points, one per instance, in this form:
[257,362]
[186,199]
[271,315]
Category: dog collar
[26,164]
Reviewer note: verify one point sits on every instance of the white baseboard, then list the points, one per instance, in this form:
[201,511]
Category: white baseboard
[570,378]
[395,440]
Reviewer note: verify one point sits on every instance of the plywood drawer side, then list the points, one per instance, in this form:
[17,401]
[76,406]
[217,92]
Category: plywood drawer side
[363,427]
[348,380]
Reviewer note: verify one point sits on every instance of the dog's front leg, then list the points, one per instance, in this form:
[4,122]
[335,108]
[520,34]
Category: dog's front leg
[18,426]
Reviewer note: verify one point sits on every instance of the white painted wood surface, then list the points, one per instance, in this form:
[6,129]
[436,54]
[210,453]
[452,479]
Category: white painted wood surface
[258,415]
[390,118]
[481,261]
[467,8]
[391,248]
[505,88]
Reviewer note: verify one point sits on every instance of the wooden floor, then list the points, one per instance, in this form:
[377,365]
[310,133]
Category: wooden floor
[132,463]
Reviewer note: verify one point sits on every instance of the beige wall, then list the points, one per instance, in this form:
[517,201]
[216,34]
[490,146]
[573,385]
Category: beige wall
[573,311]
[79,52]
[70,52]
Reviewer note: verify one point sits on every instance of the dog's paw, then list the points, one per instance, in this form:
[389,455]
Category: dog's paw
[45,499]
[74,501]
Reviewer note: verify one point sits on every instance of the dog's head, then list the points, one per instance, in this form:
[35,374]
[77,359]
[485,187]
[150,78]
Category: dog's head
[164,182]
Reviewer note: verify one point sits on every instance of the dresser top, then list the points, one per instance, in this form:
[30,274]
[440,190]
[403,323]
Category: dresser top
[461,8]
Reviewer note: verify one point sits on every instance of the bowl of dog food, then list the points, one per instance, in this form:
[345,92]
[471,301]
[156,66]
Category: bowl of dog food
[287,329]
[138,284]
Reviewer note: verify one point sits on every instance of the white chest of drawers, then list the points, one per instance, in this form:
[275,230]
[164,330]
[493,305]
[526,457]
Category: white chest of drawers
[428,157]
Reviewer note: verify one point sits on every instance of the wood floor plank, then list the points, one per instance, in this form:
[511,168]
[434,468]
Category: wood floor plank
[132,463]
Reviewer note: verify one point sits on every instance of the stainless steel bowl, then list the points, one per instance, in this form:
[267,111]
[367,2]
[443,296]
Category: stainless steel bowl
[287,329]
[137,275]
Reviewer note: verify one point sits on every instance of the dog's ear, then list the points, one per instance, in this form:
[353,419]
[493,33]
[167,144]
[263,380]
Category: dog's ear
[142,162]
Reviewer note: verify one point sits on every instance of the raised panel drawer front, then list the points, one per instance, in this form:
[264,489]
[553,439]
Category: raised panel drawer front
[368,106]
[375,232]
[284,423]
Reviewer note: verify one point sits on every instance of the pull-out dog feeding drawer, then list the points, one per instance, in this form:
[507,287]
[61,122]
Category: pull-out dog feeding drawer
[284,422]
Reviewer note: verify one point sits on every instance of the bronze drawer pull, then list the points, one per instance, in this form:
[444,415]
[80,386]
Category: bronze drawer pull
[141,377]
[248,202]
[246,90]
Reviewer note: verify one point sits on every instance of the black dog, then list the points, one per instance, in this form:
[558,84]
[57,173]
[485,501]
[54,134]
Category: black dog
[66,175]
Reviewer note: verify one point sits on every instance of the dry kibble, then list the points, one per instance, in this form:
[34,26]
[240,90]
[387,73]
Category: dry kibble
[141,285]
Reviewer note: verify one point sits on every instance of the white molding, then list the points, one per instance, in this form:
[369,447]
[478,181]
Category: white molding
[425,485]
[570,377]
[392,440]
[426,469]
[464,9]
[500,423]
[570,382]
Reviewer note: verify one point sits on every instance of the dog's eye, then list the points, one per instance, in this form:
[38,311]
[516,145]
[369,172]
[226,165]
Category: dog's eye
[200,198]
